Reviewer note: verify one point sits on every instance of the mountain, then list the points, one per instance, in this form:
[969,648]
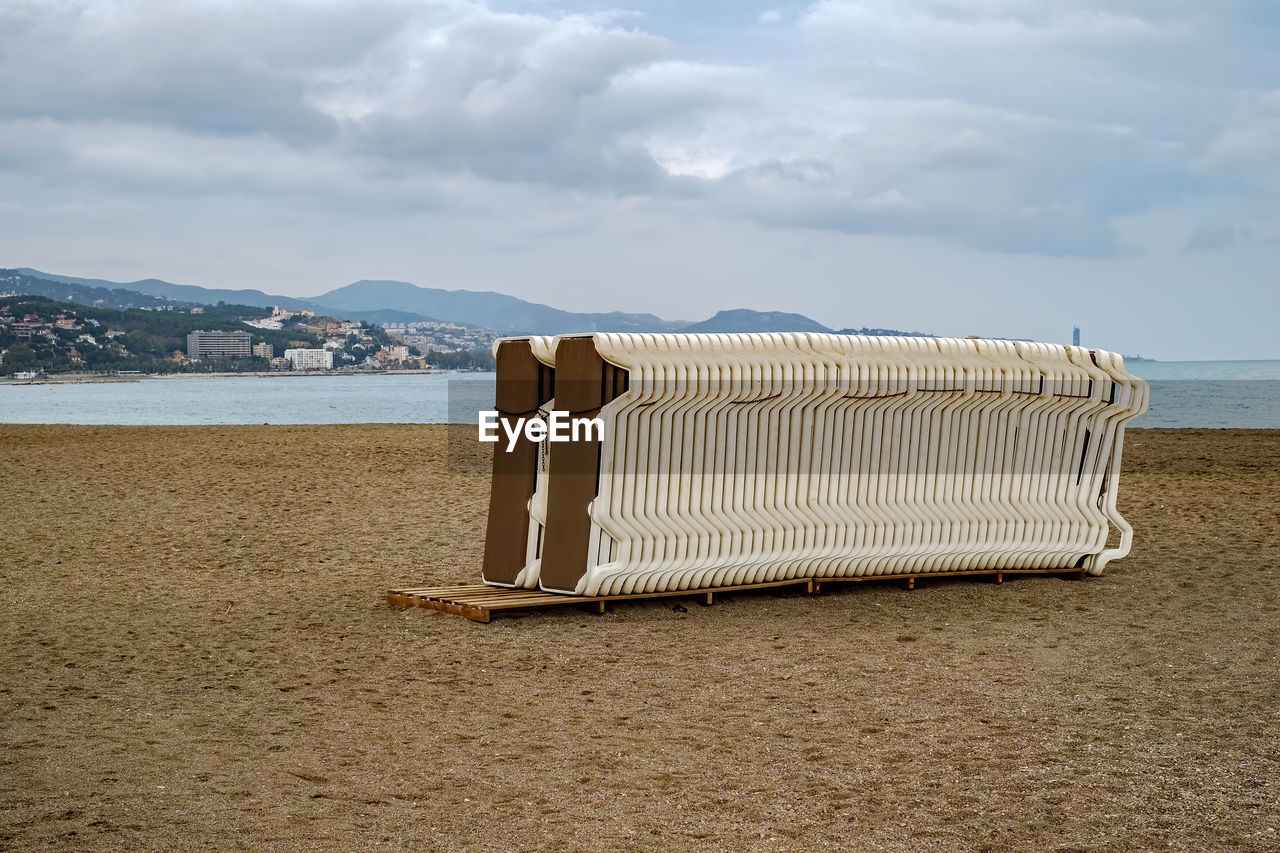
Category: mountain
[383,302]
[497,311]
[99,295]
[182,292]
[393,302]
[746,320]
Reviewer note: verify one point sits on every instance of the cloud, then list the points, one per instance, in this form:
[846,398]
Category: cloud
[1008,126]
[565,101]
[228,68]
[1249,145]
[1027,23]
[1211,236]
[970,149]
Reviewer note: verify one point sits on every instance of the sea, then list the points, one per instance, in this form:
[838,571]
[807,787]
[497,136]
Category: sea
[1213,394]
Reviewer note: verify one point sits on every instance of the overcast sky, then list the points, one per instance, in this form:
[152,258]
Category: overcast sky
[987,167]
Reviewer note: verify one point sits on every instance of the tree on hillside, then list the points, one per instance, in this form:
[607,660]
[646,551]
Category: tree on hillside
[19,357]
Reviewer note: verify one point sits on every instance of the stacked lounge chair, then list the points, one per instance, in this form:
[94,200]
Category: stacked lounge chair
[731,460]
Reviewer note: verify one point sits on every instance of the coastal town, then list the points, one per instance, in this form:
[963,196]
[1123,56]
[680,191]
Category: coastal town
[41,337]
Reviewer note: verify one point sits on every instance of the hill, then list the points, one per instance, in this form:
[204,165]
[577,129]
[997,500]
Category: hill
[746,320]
[401,302]
[37,333]
[490,310]
[188,293]
[17,282]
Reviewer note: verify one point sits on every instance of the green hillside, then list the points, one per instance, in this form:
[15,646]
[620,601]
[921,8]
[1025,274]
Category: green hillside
[56,337]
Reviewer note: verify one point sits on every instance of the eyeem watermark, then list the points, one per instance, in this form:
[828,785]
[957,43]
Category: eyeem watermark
[557,426]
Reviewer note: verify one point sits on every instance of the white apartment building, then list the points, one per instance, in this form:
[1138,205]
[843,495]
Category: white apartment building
[309,359]
[202,344]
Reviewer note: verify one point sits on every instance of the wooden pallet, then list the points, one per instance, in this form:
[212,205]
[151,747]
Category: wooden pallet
[479,602]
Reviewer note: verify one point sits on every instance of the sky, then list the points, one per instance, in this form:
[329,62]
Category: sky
[1003,168]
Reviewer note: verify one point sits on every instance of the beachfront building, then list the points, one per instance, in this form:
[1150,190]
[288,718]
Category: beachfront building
[309,359]
[264,350]
[202,344]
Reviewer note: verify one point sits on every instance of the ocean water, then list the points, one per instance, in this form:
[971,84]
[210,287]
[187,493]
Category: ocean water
[1183,394]
[286,399]
[1243,394]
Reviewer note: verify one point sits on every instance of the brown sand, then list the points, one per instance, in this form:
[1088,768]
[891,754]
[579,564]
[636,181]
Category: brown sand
[197,655]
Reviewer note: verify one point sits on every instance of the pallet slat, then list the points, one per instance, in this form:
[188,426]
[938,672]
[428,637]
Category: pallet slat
[478,602]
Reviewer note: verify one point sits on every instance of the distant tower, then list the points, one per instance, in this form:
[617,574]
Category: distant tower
[1075,336]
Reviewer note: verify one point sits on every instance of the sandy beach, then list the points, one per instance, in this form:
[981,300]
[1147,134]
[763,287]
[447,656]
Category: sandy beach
[196,653]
